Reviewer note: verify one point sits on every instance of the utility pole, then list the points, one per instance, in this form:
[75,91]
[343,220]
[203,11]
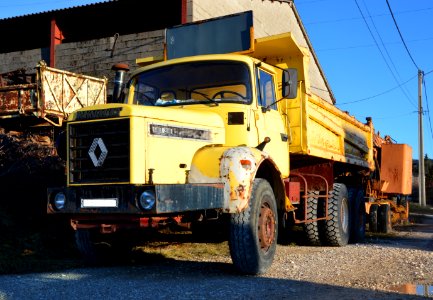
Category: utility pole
[421,173]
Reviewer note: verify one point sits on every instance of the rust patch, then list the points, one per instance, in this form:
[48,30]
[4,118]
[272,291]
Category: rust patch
[266,227]
[50,92]
[16,99]
[241,191]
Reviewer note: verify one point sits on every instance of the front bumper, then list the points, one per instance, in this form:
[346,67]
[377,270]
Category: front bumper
[124,199]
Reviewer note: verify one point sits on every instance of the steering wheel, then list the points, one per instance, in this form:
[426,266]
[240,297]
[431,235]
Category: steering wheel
[227,92]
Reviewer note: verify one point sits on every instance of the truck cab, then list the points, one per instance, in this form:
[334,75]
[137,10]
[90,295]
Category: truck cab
[241,90]
[189,138]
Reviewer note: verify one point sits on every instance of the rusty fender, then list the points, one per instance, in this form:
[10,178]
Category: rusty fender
[235,167]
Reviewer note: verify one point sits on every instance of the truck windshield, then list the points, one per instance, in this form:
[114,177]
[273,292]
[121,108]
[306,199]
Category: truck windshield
[192,83]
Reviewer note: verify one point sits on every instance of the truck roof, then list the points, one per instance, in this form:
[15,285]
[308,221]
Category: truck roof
[148,64]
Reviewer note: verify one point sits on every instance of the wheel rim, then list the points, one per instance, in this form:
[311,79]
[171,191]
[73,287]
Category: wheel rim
[344,215]
[266,227]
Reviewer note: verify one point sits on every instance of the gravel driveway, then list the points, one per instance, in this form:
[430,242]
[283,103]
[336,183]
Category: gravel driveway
[376,269]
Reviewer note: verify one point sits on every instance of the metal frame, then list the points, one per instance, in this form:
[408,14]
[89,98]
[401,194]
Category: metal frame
[305,197]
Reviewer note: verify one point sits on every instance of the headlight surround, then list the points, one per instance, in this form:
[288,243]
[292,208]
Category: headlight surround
[147,200]
[59,201]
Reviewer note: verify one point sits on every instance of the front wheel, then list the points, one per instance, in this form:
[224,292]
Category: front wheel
[254,231]
[96,248]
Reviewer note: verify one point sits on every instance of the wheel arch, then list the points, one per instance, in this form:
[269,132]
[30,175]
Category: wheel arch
[236,168]
[239,167]
[270,172]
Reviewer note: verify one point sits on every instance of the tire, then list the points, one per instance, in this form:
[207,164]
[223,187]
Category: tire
[254,231]
[311,230]
[372,218]
[336,230]
[403,201]
[384,219]
[84,242]
[97,249]
[357,233]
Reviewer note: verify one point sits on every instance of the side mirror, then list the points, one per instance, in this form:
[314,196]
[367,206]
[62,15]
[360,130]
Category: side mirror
[290,83]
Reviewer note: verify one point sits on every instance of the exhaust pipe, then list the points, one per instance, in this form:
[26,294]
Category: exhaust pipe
[119,78]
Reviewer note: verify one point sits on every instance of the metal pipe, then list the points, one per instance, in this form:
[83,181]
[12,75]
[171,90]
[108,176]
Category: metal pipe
[119,79]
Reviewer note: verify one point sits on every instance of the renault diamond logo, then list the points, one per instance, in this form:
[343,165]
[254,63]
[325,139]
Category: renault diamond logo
[98,161]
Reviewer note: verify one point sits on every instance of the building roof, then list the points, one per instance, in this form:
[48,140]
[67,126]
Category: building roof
[56,10]
[87,22]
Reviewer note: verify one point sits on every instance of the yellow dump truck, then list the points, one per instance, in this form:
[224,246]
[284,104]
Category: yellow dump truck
[234,138]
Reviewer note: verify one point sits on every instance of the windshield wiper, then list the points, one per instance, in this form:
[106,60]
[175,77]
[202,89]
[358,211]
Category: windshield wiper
[201,94]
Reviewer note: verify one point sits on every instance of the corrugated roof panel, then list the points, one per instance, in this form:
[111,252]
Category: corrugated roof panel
[60,9]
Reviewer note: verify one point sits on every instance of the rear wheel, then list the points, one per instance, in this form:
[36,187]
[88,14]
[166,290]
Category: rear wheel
[311,229]
[403,201]
[357,234]
[372,218]
[384,218]
[336,230]
[253,232]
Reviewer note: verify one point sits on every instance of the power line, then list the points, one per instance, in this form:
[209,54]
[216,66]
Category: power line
[425,74]
[357,18]
[380,94]
[381,53]
[428,109]
[401,36]
[405,91]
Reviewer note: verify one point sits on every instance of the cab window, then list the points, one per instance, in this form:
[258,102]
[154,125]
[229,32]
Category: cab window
[266,89]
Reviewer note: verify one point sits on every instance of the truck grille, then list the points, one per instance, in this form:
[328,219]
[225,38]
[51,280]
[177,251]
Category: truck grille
[99,152]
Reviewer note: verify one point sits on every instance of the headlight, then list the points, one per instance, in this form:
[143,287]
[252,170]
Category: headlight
[59,201]
[147,200]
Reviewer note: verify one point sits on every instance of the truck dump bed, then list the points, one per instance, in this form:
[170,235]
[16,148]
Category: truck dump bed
[320,129]
[50,95]
[315,127]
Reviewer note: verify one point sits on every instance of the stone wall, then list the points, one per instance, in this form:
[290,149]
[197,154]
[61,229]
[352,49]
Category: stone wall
[22,60]
[93,57]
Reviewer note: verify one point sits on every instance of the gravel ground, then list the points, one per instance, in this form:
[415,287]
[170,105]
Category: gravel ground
[377,269]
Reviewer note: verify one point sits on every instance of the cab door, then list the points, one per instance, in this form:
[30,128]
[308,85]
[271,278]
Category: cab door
[269,121]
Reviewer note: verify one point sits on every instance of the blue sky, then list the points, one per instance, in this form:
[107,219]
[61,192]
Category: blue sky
[367,66]
[23,7]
